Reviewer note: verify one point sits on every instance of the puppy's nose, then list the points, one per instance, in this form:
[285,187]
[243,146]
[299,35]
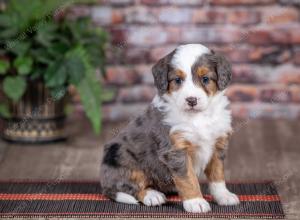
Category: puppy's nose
[192,101]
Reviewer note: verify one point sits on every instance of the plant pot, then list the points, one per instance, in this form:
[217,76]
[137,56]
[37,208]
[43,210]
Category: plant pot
[36,118]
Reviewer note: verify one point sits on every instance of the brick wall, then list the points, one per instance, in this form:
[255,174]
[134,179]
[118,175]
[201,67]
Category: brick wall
[260,37]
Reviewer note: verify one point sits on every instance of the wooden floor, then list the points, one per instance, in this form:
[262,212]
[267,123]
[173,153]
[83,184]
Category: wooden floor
[259,150]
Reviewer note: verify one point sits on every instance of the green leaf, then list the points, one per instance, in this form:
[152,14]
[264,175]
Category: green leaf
[45,33]
[4,66]
[108,95]
[18,47]
[5,20]
[89,90]
[58,49]
[23,65]
[58,92]
[75,66]
[14,87]
[55,75]
[41,55]
[4,111]
[35,74]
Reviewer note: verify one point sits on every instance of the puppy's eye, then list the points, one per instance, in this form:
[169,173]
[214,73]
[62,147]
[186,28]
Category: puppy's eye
[205,80]
[178,80]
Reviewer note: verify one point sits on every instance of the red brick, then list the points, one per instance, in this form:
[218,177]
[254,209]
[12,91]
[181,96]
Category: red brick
[121,112]
[296,58]
[221,16]
[146,36]
[114,55]
[258,53]
[135,55]
[173,15]
[274,35]
[140,15]
[272,54]
[288,74]
[290,2]
[118,36]
[280,36]
[117,2]
[295,34]
[249,111]
[229,34]
[121,75]
[208,16]
[174,34]
[173,2]
[242,93]
[243,16]
[284,74]
[295,91]
[284,56]
[104,15]
[275,94]
[139,93]
[144,72]
[159,52]
[258,36]
[260,74]
[79,11]
[243,74]
[234,55]
[211,35]
[241,2]
[279,15]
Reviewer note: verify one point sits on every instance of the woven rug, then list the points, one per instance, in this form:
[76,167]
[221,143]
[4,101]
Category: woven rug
[84,199]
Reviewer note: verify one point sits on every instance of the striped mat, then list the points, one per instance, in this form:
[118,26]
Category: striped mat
[84,199]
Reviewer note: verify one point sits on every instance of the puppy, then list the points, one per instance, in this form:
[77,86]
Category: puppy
[182,134]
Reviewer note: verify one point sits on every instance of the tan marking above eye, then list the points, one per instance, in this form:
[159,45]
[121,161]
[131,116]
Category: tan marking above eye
[180,74]
[202,71]
[173,86]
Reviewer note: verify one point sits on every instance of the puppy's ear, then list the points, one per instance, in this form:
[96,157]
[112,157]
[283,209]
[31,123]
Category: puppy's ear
[160,73]
[223,69]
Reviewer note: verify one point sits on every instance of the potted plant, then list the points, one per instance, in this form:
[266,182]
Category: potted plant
[41,54]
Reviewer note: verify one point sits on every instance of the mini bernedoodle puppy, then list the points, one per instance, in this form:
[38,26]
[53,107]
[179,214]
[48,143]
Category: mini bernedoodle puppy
[182,134]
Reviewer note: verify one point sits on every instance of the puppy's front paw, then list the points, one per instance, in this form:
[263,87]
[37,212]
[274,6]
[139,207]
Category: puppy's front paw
[222,195]
[154,198]
[226,198]
[197,205]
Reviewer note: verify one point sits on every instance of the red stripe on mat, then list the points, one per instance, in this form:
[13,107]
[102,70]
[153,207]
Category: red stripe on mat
[98,197]
[57,181]
[138,214]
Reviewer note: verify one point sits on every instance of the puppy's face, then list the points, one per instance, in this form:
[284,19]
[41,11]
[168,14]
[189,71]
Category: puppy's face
[189,76]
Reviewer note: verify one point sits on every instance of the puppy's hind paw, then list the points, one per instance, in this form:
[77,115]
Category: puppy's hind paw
[154,198]
[197,205]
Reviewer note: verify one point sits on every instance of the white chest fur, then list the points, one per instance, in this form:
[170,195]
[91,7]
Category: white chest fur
[202,129]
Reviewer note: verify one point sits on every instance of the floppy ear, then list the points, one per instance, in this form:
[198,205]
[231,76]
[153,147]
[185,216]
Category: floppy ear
[160,73]
[223,69]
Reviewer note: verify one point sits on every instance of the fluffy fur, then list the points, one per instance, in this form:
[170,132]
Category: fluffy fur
[202,128]
[180,136]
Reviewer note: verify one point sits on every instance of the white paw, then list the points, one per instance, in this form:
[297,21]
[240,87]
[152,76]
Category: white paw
[197,205]
[154,198]
[227,198]
[222,195]
[125,198]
